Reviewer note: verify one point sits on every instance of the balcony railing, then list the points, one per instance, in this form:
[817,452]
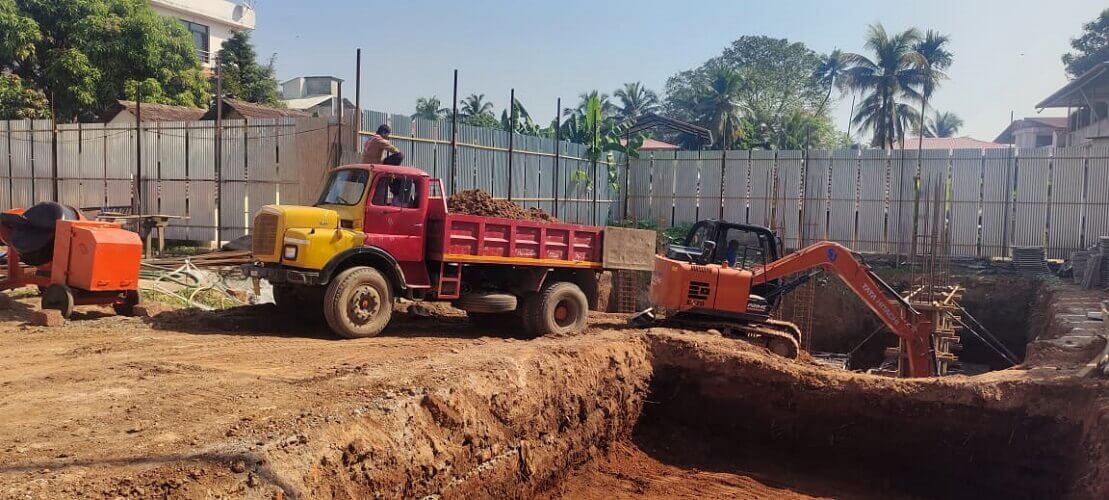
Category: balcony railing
[1080,136]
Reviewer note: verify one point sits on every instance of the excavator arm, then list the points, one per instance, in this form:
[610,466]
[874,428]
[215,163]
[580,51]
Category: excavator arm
[898,315]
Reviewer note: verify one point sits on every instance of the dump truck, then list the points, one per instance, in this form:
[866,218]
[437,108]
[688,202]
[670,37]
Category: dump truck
[381,232]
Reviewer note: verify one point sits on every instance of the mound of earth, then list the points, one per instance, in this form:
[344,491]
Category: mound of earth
[478,202]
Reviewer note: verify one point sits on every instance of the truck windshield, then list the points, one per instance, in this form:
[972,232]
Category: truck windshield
[345,187]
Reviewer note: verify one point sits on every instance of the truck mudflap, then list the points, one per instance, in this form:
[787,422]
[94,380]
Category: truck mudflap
[279,274]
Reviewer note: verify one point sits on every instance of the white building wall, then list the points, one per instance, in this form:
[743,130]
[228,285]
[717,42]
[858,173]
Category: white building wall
[222,17]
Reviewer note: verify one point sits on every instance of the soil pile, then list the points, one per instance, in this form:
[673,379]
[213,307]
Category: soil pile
[478,202]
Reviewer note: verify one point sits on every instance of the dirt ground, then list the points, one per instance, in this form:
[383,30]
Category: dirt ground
[259,403]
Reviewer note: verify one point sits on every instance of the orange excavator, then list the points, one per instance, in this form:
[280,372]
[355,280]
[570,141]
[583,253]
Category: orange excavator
[731,276]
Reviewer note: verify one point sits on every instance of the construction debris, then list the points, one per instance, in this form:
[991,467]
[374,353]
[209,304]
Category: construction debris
[47,317]
[1029,259]
[478,202]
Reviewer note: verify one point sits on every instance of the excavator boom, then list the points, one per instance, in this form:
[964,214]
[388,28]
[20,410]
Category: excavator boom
[897,314]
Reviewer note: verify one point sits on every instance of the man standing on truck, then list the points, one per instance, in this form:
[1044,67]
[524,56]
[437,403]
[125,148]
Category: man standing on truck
[378,145]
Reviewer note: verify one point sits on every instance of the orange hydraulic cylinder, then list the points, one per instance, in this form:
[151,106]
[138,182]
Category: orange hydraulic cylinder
[96,256]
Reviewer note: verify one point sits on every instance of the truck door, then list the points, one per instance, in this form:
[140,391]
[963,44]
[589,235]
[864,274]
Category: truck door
[396,216]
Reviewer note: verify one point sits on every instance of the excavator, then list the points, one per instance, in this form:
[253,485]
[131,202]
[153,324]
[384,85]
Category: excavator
[730,277]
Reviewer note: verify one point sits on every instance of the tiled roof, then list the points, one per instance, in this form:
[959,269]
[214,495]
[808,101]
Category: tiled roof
[156,112]
[951,143]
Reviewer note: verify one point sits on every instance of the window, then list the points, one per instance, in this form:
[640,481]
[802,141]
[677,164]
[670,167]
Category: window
[317,86]
[393,191]
[1043,140]
[743,248]
[345,187]
[200,38]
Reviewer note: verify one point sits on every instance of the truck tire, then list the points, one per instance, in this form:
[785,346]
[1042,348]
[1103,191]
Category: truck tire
[483,302]
[358,303]
[560,308]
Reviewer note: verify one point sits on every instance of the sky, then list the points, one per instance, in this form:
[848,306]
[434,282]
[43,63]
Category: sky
[1007,53]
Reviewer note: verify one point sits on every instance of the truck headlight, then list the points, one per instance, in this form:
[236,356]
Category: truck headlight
[290,252]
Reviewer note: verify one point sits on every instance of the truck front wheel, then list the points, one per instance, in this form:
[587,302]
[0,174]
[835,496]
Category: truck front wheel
[359,303]
[559,309]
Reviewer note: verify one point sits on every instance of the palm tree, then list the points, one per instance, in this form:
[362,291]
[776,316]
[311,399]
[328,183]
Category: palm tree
[428,108]
[716,102]
[944,124]
[585,99]
[475,105]
[886,82]
[635,101]
[831,72]
[936,58]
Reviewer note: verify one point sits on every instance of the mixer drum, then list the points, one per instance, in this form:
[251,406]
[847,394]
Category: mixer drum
[31,233]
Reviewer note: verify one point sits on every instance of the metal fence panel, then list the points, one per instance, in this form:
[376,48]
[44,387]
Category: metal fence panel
[997,185]
[1033,176]
[736,173]
[712,167]
[1068,175]
[662,188]
[966,191]
[761,183]
[6,183]
[687,169]
[788,195]
[873,182]
[842,196]
[1097,195]
[815,210]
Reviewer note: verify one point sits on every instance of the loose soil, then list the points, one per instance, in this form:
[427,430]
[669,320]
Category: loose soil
[256,402]
[478,202]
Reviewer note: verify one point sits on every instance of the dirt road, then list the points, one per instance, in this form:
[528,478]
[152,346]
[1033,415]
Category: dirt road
[254,403]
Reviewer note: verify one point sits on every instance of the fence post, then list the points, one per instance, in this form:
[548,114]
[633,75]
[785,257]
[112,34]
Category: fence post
[558,151]
[511,135]
[454,136]
[219,154]
[136,204]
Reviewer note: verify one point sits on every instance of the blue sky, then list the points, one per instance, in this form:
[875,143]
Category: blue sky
[1006,52]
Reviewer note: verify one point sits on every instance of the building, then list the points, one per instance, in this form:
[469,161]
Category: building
[234,109]
[1035,132]
[125,112]
[210,22]
[315,95]
[1086,100]
[655,145]
[965,142]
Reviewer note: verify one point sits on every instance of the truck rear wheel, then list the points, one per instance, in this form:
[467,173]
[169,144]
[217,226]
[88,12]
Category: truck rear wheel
[559,309]
[359,303]
[485,302]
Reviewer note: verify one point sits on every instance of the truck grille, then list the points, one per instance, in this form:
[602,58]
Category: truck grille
[264,237]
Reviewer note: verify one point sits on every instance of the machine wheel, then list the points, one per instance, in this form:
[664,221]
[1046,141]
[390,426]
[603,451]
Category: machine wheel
[131,298]
[358,303]
[58,297]
[560,308]
[489,303]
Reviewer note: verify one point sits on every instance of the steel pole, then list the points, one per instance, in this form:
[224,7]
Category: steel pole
[558,152]
[136,205]
[219,154]
[454,136]
[511,135]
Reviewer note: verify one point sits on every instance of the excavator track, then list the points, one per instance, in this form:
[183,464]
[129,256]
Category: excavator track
[779,337]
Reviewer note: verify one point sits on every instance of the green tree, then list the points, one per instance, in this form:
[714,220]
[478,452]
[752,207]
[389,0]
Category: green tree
[1090,48]
[584,100]
[18,101]
[935,59]
[430,108]
[243,77]
[945,124]
[830,73]
[521,123]
[476,111]
[635,100]
[759,85]
[84,54]
[886,82]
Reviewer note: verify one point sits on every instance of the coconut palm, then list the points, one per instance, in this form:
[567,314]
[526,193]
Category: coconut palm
[936,59]
[585,99]
[944,124]
[887,82]
[831,73]
[429,108]
[717,102]
[474,105]
[635,100]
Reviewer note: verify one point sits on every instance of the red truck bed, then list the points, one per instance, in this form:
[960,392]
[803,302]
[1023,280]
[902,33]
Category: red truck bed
[493,240]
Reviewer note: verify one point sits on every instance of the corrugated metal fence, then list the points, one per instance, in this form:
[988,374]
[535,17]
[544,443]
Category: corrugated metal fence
[93,166]
[568,187]
[996,198]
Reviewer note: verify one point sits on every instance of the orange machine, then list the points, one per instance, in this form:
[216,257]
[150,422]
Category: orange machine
[730,276]
[73,261]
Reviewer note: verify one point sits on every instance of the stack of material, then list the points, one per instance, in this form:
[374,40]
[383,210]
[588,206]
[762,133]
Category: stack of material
[1029,259]
[1078,262]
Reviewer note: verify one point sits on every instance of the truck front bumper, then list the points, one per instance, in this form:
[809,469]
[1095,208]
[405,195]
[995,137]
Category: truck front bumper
[276,273]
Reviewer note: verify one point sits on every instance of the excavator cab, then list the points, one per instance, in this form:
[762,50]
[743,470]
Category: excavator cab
[732,245]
